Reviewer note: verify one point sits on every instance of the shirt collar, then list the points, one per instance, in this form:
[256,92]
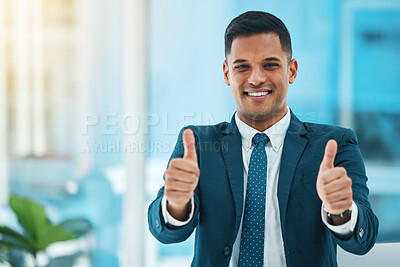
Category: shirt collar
[276,132]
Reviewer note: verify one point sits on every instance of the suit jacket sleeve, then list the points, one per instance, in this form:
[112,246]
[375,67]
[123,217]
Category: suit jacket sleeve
[365,232]
[162,231]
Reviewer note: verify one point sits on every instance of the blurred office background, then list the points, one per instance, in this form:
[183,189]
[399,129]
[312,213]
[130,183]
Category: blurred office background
[94,92]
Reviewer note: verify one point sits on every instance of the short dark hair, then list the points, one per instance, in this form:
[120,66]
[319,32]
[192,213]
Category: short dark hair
[255,22]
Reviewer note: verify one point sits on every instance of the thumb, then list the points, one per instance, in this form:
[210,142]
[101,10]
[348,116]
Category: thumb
[329,156]
[189,144]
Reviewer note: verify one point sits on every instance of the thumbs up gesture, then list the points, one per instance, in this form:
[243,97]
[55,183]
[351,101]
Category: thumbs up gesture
[333,184]
[181,178]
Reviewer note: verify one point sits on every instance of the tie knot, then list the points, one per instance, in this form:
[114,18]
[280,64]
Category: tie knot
[260,138]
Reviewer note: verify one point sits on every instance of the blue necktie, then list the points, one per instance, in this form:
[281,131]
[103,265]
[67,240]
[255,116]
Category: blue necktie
[252,242]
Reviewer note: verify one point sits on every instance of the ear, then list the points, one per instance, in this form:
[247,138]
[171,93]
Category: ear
[225,69]
[293,65]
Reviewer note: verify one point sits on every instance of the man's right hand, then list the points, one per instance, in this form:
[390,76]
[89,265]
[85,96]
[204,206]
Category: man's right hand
[181,178]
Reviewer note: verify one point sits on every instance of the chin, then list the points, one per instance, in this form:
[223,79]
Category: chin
[257,116]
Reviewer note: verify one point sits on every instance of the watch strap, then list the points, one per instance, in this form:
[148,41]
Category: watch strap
[341,215]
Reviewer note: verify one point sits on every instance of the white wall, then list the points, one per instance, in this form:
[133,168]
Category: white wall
[382,254]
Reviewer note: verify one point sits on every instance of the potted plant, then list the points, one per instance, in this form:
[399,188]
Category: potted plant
[38,232]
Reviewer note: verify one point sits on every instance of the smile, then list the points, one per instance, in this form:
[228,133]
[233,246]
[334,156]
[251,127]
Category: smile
[258,93]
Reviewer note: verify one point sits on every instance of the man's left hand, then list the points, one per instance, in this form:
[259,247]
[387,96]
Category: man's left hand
[333,184]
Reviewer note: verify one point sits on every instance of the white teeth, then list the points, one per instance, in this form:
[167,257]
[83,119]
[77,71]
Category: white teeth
[258,93]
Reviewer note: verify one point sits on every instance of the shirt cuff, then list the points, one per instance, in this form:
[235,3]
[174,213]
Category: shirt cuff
[344,229]
[171,220]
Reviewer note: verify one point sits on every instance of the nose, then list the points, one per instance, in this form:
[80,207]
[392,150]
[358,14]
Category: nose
[257,76]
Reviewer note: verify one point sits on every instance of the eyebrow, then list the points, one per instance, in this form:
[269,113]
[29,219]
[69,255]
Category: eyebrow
[265,59]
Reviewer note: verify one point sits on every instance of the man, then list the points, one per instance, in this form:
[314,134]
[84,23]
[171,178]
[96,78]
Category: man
[272,191]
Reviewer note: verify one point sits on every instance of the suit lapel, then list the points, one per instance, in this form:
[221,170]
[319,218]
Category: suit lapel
[293,148]
[231,144]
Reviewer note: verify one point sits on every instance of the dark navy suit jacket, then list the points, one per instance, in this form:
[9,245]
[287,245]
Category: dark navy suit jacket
[219,196]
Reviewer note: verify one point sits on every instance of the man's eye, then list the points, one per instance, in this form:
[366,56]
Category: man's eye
[271,66]
[241,67]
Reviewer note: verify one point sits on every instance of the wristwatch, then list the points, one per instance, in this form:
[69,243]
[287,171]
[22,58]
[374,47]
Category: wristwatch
[331,216]
[341,215]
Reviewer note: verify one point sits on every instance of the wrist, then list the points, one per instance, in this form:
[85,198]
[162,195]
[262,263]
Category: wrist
[338,219]
[180,212]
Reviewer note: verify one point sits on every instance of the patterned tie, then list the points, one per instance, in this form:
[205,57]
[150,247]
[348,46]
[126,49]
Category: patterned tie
[252,242]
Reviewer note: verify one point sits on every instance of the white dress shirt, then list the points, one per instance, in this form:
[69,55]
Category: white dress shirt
[274,253]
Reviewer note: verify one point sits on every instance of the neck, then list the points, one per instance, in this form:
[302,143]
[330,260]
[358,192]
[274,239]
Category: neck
[262,123]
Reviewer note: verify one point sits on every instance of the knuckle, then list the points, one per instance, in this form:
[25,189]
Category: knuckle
[324,188]
[167,181]
[168,177]
[342,171]
[173,162]
[321,179]
[194,167]
[350,192]
[326,178]
[197,171]
[168,186]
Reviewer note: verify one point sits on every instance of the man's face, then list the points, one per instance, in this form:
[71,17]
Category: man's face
[258,73]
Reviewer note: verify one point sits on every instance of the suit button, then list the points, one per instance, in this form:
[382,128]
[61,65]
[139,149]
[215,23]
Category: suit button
[361,233]
[157,224]
[227,250]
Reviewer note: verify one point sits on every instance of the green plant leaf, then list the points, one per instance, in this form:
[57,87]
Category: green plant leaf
[41,232]
[30,214]
[50,233]
[11,238]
